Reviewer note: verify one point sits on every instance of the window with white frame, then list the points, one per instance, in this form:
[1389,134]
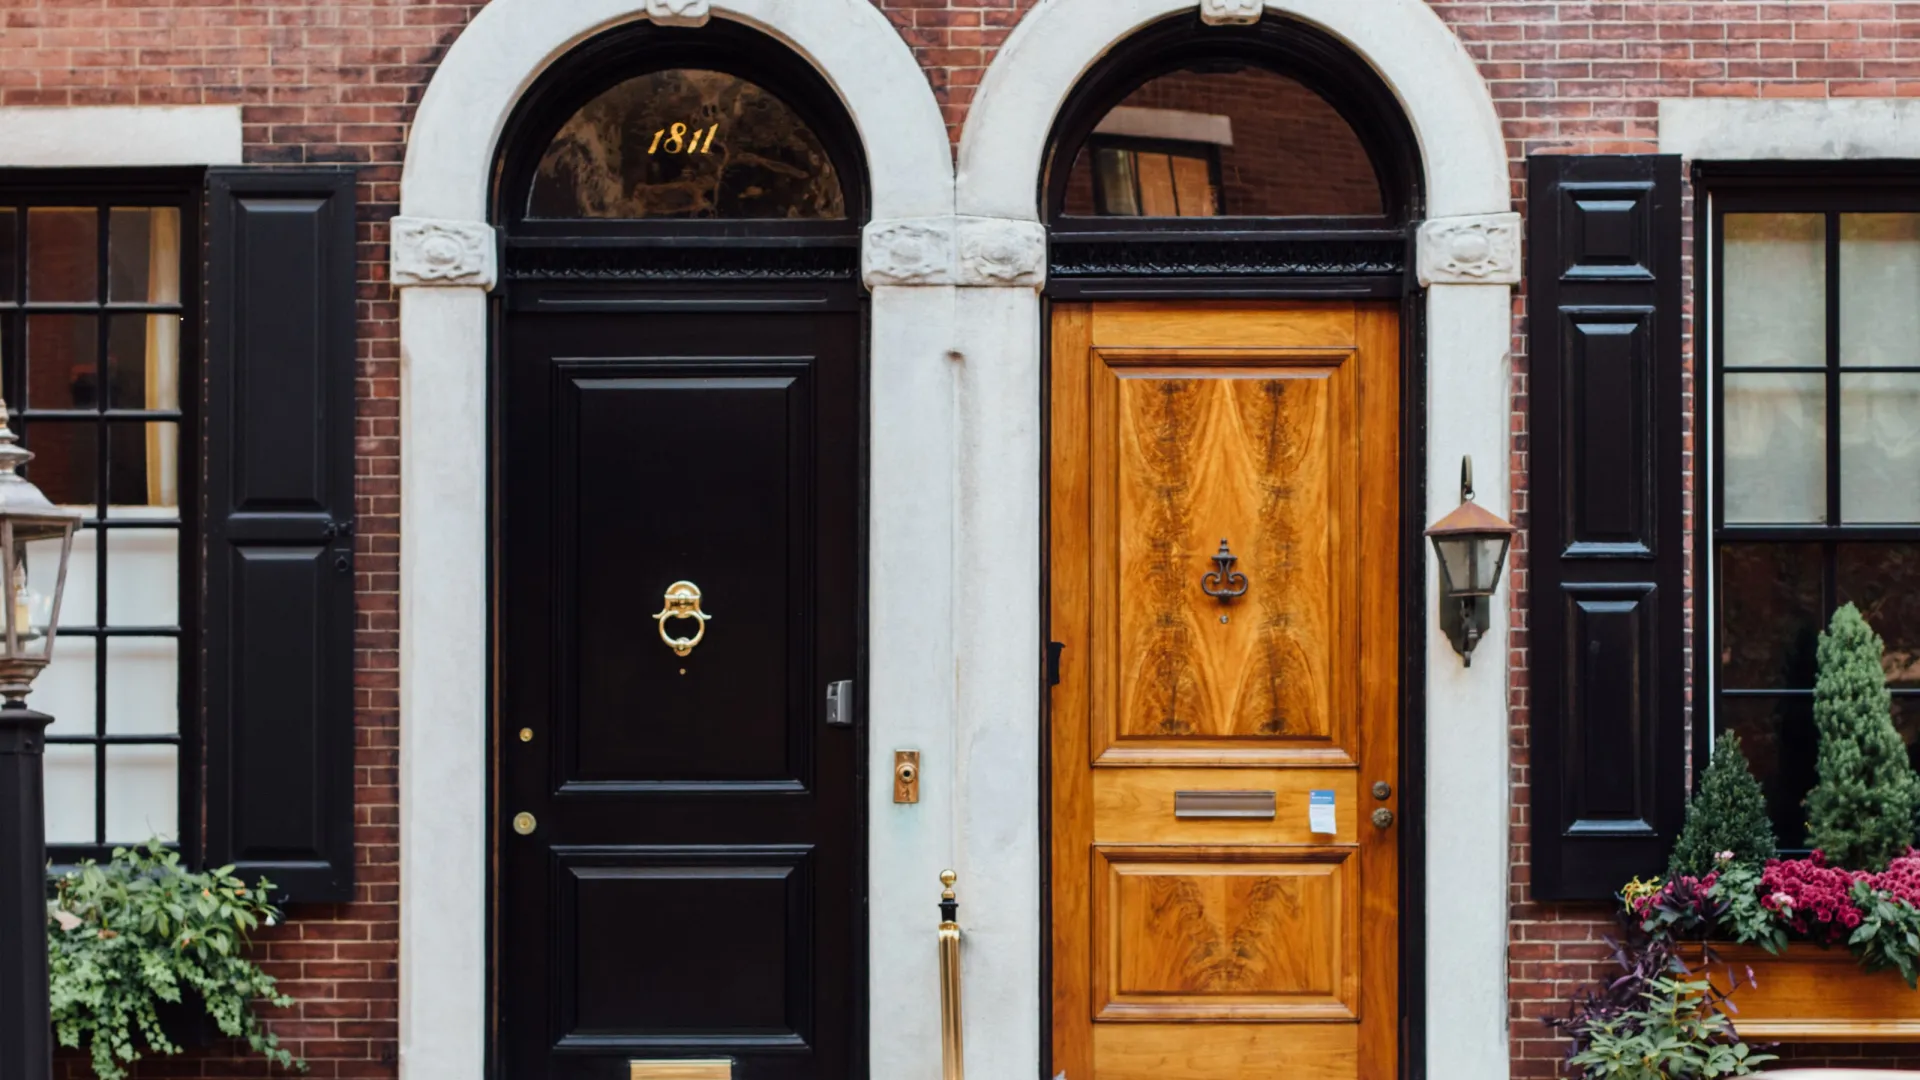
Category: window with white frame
[98,282]
[1815,435]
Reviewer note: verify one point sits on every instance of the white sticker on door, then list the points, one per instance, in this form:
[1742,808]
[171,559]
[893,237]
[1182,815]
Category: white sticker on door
[1320,812]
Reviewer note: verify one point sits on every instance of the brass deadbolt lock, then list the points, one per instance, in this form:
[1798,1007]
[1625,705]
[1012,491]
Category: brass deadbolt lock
[906,776]
[1382,818]
[1382,790]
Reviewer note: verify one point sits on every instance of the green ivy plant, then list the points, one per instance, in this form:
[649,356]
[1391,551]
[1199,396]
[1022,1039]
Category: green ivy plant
[141,930]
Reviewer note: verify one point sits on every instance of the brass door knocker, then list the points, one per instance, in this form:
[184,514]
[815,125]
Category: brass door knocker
[1223,582]
[683,602]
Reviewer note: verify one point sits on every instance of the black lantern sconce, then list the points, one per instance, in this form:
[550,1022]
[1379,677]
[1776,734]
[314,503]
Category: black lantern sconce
[1472,544]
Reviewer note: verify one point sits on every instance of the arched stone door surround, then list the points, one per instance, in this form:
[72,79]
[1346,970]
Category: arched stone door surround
[443,264]
[1003,149]
[953,537]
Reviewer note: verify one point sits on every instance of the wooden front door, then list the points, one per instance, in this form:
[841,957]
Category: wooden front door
[680,855]
[1224,896]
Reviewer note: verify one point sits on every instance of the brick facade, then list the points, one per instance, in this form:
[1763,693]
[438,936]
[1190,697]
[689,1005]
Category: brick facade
[336,81]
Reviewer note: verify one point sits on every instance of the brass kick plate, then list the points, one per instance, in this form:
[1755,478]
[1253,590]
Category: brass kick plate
[684,1069]
[1223,804]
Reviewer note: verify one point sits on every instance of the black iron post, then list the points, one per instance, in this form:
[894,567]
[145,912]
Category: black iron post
[26,1036]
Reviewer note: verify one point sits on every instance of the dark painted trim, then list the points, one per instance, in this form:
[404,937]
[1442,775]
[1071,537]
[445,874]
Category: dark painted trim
[1413,680]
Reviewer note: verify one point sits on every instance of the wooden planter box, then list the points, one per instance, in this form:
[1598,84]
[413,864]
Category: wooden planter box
[1810,994]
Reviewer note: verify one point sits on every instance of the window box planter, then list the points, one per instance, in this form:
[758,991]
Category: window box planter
[1811,994]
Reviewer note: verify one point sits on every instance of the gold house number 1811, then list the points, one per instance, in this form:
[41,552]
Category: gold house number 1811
[676,140]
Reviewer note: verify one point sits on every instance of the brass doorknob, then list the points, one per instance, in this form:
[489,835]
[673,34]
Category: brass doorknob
[1382,818]
[524,824]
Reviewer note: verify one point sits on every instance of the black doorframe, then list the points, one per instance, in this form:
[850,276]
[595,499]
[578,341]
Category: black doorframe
[672,267]
[1094,259]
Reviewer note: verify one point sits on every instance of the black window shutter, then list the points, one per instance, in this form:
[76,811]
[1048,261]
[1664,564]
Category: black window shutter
[278,619]
[1606,539]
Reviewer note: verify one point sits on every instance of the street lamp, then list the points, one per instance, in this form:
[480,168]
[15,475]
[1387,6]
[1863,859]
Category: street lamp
[28,524]
[1472,544]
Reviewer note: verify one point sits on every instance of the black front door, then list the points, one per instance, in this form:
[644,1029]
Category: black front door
[678,827]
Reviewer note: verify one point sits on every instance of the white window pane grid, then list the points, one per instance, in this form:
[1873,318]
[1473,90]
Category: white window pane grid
[108,427]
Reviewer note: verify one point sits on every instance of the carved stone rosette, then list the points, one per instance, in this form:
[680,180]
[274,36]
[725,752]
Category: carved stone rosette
[1002,252]
[917,251]
[1477,249]
[976,252]
[1230,12]
[679,12]
[431,251]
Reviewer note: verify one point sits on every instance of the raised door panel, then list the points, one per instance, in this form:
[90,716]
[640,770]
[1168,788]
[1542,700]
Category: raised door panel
[1255,450]
[1224,934]
[721,459]
[723,960]
[1142,806]
[1231,1051]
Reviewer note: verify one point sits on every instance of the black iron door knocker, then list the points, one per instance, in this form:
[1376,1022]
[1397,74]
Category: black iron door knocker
[1223,582]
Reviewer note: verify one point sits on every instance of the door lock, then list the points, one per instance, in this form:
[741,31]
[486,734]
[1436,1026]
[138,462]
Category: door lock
[840,703]
[906,776]
[1382,790]
[1382,818]
[524,824]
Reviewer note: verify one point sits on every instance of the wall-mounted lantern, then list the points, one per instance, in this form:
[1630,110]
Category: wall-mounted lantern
[1472,544]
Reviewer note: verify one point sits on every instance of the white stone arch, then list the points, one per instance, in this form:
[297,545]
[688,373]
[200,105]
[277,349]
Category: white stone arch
[443,264]
[1469,257]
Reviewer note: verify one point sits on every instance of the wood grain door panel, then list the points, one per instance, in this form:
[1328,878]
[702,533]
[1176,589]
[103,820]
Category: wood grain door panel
[1210,1051]
[1226,933]
[1256,448]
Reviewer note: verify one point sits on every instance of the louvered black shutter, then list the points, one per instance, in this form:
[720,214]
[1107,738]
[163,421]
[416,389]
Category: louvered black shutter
[1606,537]
[278,614]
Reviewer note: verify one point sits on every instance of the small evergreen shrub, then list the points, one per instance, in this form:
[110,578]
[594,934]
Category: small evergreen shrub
[1861,810]
[1728,812]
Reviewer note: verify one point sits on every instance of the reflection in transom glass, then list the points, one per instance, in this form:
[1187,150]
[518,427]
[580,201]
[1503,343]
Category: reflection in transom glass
[686,144]
[1246,142]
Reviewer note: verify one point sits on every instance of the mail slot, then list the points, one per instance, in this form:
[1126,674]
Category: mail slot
[681,1069]
[1223,804]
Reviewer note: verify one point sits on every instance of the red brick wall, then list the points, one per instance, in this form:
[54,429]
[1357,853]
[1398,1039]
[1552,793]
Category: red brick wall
[1571,77]
[336,81]
[331,81]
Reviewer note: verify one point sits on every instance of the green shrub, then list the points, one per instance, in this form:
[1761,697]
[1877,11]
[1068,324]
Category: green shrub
[1860,813]
[1728,812]
[1675,1031]
[141,930]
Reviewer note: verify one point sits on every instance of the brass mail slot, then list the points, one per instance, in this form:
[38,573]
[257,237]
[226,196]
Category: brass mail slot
[1223,804]
[682,1069]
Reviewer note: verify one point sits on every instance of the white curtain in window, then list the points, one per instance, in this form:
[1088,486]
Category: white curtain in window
[163,359]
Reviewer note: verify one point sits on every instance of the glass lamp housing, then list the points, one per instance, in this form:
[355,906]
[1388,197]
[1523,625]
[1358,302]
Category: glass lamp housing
[30,526]
[1471,543]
